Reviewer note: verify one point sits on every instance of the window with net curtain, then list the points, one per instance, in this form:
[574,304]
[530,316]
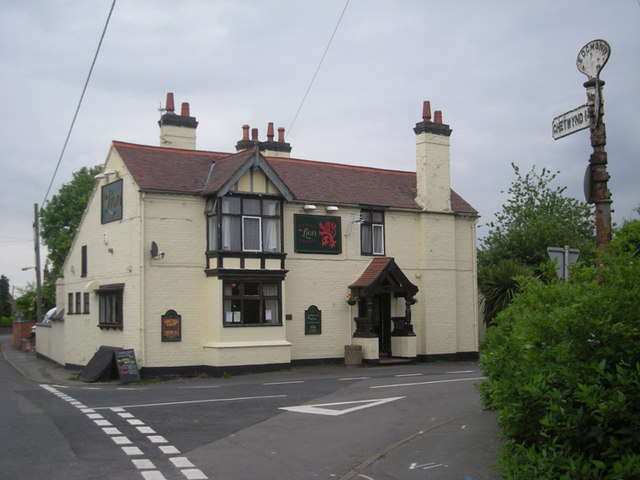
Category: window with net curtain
[249,302]
[247,224]
[372,232]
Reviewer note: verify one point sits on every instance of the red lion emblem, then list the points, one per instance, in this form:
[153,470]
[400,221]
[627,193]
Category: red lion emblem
[328,233]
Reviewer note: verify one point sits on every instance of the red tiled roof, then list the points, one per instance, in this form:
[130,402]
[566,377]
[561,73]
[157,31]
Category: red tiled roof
[347,184]
[372,272]
[383,272]
[167,169]
[204,173]
[223,169]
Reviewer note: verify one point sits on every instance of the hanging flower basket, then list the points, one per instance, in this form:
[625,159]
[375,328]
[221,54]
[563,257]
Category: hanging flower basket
[351,299]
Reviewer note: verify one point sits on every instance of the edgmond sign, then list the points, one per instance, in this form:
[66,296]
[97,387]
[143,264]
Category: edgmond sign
[570,122]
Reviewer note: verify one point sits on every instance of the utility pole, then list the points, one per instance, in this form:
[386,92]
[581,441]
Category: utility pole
[36,228]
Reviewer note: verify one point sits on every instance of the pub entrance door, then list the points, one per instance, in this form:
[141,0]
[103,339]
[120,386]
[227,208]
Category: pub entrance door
[382,321]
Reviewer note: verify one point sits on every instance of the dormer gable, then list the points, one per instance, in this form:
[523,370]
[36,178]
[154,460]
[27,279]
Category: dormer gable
[253,175]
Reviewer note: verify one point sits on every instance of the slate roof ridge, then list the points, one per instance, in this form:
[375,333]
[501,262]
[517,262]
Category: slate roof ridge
[185,151]
[362,168]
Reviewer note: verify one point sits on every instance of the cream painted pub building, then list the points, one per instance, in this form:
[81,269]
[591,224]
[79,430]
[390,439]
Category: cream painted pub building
[210,262]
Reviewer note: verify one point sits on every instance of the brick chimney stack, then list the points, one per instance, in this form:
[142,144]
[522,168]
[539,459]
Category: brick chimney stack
[177,131]
[268,148]
[433,177]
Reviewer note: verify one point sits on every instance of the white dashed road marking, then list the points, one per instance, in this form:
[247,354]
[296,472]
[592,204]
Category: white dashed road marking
[428,383]
[146,467]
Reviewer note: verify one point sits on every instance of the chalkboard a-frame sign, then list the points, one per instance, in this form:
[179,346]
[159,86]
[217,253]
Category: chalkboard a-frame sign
[127,365]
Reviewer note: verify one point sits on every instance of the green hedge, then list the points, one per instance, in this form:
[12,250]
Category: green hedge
[563,368]
[6,321]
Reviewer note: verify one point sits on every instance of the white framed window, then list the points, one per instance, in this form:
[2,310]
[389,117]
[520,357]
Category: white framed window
[245,224]
[378,239]
[372,232]
[251,228]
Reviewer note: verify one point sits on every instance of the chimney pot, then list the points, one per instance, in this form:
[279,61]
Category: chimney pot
[177,131]
[437,116]
[169,106]
[245,132]
[281,134]
[270,132]
[426,111]
[254,134]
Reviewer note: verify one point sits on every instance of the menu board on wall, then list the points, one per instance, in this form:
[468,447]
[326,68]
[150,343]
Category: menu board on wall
[312,321]
[171,326]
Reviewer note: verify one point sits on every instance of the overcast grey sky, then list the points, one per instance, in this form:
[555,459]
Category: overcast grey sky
[500,71]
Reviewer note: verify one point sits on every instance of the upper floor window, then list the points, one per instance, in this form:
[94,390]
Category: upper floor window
[372,232]
[246,224]
[84,261]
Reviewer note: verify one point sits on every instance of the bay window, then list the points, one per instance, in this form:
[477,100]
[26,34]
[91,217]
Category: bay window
[251,302]
[245,224]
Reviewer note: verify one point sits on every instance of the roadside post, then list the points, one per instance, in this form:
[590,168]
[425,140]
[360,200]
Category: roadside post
[563,257]
[591,59]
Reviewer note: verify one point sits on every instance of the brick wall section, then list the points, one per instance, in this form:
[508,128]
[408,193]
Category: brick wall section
[21,330]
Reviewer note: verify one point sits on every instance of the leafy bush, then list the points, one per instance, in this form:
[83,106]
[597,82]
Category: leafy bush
[563,368]
[499,286]
[6,321]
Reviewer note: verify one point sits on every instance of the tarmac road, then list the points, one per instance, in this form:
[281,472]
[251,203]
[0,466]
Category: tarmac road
[422,421]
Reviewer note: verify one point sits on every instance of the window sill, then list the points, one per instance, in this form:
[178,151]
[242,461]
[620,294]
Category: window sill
[250,325]
[104,326]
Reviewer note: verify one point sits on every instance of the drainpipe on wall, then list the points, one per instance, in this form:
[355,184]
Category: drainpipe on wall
[141,281]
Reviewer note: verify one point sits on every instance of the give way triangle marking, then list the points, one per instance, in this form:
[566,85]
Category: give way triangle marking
[325,408]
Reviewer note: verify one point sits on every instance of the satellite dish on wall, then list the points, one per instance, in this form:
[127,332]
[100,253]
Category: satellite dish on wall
[154,251]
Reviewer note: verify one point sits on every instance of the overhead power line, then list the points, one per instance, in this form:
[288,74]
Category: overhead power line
[75,115]
[318,68]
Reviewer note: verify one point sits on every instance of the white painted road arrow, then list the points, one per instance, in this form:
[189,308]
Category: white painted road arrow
[320,409]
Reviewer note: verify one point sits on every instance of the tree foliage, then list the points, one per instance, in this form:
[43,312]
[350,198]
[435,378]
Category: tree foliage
[5,297]
[627,237]
[537,216]
[563,369]
[60,218]
[27,301]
